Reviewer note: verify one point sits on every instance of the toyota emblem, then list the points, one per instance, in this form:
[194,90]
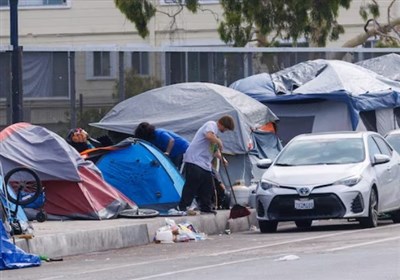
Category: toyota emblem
[304,191]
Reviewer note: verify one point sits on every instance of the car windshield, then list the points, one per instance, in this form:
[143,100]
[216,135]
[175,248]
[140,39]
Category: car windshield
[394,140]
[322,151]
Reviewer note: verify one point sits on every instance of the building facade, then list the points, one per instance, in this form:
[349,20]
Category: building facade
[76,51]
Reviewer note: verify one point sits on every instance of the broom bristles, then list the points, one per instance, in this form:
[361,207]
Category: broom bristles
[238,211]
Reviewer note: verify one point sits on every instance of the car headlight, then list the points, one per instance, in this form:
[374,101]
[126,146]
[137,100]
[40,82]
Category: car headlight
[349,181]
[266,185]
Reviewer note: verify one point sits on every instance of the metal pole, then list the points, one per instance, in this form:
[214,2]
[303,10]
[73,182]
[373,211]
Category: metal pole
[16,65]
[121,76]
[72,88]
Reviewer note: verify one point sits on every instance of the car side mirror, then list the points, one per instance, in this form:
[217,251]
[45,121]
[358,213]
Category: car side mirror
[264,163]
[379,159]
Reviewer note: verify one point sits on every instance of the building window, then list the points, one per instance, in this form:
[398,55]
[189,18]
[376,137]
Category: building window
[228,67]
[101,65]
[177,71]
[140,63]
[44,75]
[36,3]
[198,67]
[219,68]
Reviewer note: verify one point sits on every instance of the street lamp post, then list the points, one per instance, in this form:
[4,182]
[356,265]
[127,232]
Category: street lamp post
[16,65]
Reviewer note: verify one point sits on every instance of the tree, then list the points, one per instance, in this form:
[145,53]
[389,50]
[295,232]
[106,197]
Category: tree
[387,35]
[264,21]
[140,12]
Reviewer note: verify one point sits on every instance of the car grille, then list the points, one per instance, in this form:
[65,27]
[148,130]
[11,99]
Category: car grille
[326,206]
[357,206]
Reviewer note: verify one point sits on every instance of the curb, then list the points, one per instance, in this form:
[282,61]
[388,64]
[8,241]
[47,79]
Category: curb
[68,238]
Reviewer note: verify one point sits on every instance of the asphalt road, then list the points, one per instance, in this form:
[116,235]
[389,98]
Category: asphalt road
[329,250]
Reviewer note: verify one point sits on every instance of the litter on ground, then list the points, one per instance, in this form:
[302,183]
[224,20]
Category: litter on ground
[182,232]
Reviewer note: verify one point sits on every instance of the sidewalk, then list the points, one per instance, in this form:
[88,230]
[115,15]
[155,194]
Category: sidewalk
[66,238]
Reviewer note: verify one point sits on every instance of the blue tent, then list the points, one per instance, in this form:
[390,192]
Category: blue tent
[141,172]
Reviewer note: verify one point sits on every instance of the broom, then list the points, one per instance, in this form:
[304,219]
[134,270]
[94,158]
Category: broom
[237,210]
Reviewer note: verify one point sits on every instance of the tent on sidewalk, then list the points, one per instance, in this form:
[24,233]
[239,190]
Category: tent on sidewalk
[74,188]
[184,108]
[141,172]
[386,65]
[326,95]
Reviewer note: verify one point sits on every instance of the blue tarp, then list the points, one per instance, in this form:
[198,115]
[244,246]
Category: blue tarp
[12,256]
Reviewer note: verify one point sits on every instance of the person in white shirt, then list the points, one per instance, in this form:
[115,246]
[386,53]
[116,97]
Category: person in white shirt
[198,167]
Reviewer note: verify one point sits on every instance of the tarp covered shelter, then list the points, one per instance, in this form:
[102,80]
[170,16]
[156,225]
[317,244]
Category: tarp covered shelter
[184,107]
[141,172]
[13,257]
[326,95]
[74,188]
[386,65]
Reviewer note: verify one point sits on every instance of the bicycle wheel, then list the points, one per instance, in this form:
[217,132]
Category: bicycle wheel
[25,183]
[138,213]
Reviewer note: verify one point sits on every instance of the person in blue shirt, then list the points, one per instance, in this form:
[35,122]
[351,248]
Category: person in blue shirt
[170,143]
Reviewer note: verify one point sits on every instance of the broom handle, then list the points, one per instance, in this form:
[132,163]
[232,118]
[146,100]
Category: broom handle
[230,183]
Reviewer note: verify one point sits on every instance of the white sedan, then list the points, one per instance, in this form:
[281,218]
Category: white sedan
[350,175]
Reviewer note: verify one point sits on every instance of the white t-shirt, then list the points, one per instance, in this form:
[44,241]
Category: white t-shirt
[201,151]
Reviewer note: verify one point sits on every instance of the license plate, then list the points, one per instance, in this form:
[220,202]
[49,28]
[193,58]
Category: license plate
[304,204]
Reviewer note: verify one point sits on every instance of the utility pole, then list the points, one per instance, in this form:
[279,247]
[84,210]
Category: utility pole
[16,65]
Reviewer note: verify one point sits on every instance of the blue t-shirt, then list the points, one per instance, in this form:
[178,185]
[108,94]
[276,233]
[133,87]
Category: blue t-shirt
[162,138]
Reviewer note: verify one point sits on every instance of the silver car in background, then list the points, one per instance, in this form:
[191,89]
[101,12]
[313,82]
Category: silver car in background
[350,175]
[393,137]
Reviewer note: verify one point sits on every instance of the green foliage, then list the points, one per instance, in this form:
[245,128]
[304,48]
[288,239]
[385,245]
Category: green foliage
[363,13]
[374,9]
[280,19]
[192,5]
[247,20]
[136,84]
[369,9]
[387,43]
[139,12]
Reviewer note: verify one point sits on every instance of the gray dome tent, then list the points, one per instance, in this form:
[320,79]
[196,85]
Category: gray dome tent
[184,107]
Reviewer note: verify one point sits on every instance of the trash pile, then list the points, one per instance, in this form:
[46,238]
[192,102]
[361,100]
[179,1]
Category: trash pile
[182,232]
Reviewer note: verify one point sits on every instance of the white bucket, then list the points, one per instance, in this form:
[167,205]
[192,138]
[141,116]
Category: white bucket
[242,194]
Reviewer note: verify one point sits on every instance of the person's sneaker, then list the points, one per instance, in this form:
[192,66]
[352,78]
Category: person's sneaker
[176,212]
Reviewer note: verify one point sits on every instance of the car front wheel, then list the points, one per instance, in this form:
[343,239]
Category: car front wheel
[268,226]
[372,219]
[395,216]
